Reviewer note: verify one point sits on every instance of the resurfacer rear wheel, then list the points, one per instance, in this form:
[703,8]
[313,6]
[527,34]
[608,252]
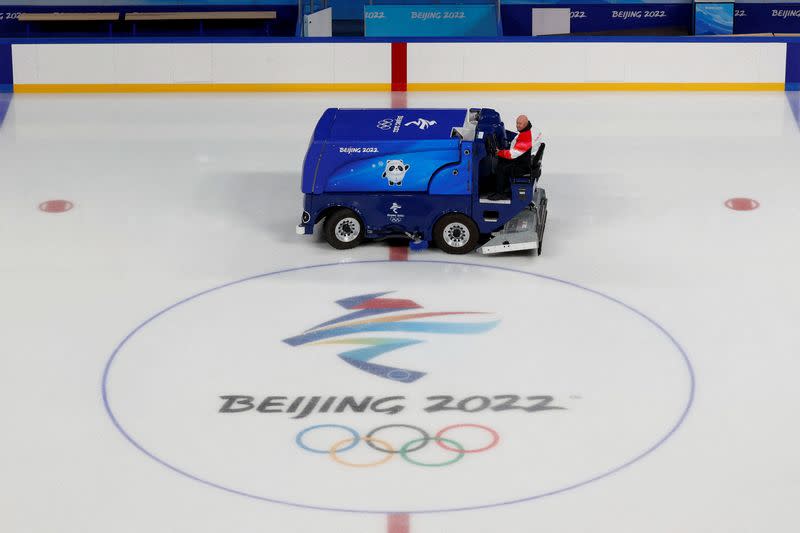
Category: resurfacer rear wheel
[343,229]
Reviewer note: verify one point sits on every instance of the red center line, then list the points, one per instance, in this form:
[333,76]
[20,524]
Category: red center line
[399,101]
[398,523]
[398,253]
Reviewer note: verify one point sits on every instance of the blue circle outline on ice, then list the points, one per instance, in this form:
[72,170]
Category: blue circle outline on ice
[642,455]
[353,432]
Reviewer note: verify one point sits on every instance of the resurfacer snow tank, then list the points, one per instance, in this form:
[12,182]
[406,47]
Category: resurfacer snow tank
[419,173]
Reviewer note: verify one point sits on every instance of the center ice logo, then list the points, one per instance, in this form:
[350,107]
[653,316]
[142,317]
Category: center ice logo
[504,380]
[346,330]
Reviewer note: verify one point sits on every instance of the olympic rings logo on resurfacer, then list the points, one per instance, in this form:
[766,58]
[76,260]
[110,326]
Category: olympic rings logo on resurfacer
[389,451]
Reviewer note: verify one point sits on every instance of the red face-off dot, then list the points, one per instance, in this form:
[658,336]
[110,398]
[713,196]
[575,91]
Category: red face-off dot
[55,206]
[742,204]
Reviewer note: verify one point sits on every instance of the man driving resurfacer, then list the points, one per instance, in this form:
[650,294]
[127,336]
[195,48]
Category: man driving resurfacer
[515,161]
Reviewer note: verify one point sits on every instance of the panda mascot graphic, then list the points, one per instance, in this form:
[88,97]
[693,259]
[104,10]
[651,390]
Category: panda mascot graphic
[395,171]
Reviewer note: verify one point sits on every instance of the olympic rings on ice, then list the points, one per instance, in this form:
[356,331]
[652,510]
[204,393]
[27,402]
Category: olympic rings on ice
[389,451]
[439,440]
[495,437]
[370,440]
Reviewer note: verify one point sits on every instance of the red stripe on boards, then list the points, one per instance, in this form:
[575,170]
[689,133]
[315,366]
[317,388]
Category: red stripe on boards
[399,66]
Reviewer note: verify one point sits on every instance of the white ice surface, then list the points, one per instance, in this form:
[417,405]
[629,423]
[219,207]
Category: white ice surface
[175,194]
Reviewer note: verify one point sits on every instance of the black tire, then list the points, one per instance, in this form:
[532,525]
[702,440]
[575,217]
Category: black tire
[455,233]
[344,229]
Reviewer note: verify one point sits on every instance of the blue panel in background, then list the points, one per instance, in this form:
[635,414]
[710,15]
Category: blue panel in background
[283,25]
[713,19]
[793,69]
[346,9]
[567,3]
[6,73]
[758,17]
[605,17]
[430,21]
[49,5]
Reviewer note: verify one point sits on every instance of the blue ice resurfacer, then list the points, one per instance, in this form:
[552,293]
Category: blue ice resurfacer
[425,174]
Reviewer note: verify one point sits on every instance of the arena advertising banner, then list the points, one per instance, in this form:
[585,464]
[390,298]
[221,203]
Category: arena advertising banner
[761,17]
[11,10]
[430,21]
[590,16]
[177,4]
[713,18]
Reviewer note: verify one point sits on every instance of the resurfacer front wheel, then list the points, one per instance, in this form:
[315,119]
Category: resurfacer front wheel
[455,233]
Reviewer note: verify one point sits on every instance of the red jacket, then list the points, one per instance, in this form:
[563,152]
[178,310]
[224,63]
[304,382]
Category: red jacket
[523,142]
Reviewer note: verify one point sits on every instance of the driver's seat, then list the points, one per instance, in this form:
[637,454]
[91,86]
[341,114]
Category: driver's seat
[536,164]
